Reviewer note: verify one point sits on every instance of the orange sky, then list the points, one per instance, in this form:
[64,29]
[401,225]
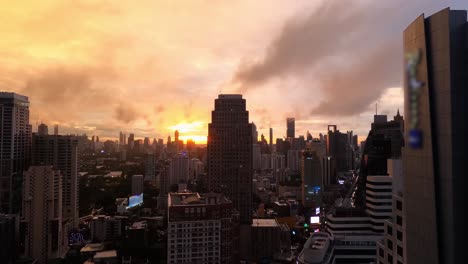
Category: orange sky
[149,67]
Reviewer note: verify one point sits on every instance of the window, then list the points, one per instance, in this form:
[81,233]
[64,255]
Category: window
[390,258]
[400,251]
[399,220]
[399,205]
[381,252]
[399,235]
[389,230]
[389,244]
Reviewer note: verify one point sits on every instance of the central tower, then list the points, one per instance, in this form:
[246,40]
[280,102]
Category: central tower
[230,146]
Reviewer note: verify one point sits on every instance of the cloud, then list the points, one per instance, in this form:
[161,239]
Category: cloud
[126,113]
[349,53]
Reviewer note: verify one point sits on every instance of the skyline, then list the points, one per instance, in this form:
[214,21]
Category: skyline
[130,68]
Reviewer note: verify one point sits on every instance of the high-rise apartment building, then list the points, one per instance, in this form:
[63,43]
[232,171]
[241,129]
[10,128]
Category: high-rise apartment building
[61,152]
[290,127]
[435,157]
[202,229]
[15,146]
[179,168]
[42,214]
[229,160]
[311,174]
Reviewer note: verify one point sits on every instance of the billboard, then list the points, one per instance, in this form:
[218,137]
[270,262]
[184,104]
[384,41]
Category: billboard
[314,219]
[135,200]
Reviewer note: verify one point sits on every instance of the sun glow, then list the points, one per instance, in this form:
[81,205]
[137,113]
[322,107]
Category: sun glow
[195,131]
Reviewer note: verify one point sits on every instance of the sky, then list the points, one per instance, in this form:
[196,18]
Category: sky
[150,67]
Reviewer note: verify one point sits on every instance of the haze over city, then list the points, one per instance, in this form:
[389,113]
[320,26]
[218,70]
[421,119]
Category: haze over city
[155,66]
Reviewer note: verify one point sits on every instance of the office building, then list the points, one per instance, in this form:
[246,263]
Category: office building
[61,152]
[137,184]
[271,139]
[229,156]
[257,157]
[15,146]
[290,127]
[179,169]
[202,229]
[311,175]
[434,158]
[338,147]
[42,214]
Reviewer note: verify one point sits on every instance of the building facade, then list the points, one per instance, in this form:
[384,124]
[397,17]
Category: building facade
[229,160]
[61,152]
[42,214]
[434,157]
[15,146]
[202,229]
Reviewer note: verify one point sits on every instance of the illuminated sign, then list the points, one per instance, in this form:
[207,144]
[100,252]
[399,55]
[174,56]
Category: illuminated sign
[135,200]
[414,87]
[317,210]
[314,219]
[77,237]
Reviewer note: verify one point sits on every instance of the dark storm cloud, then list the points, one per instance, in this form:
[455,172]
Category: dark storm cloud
[126,113]
[65,92]
[352,52]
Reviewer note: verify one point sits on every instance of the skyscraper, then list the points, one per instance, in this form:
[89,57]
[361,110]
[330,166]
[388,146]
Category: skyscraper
[229,160]
[311,174]
[271,139]
[435,157]
[61,152]
[291,127]
[179,168]
[15,145]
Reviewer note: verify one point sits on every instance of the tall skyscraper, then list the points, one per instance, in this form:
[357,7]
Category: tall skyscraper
[435,157]
[311,174]
[291,127]
[56,129]
[229,160]
[271,139]
[61,152]
[42,214]
[15,146]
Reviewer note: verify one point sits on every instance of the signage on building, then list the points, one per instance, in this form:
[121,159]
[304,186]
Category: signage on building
[414,89]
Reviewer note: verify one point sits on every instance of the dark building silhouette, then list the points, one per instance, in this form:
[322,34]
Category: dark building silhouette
[291,127]
[435,156]
[15,146]
[338,147]
[230,147]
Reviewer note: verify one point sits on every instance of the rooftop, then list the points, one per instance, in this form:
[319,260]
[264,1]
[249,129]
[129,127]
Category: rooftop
[257,222]
[92,247]
[316,249]
[106,254]
[230,96]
